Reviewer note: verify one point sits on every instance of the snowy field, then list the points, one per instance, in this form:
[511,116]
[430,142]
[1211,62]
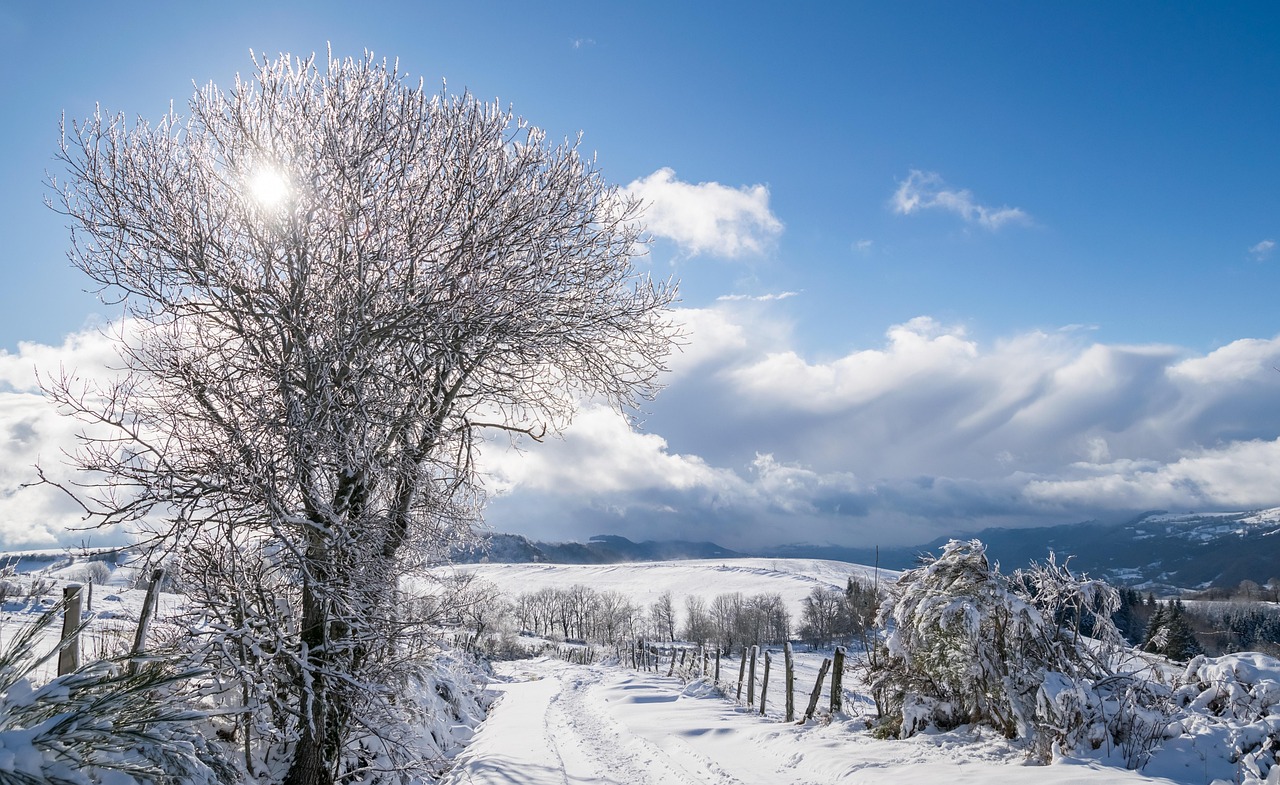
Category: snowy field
[556,722]
[644,582]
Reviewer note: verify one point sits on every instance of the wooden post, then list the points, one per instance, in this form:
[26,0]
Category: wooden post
[817,690]
[742,671]
[672,669]
[69,656]
[717,663]
[837,681]
[751,680]
[144,618]
[791,682]
[764,686]
[706,662]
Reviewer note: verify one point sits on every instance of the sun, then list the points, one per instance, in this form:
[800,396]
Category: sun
[268,186]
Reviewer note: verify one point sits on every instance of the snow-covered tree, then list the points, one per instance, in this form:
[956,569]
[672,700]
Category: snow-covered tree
[662,616]
[334,282]
[1170,634]
[967,644]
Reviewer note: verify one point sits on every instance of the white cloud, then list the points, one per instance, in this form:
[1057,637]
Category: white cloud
[926,191]
[1263,249]
[929,432]
[863,246]
[707,218]
[758,298]
[1238,476]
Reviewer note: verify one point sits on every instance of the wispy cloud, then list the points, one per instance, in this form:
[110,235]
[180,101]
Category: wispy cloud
[1262,250]
[580,43]
[756,298]
[863,246]
[928,191]
[707,217]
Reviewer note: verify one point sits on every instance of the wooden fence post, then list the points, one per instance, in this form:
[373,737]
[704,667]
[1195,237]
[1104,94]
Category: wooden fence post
[751,680]
[742,671]
[837,681]
[791,682]
[817,689]
[672,669]
[144,619]
[717,663]
[69,656]
[764,686]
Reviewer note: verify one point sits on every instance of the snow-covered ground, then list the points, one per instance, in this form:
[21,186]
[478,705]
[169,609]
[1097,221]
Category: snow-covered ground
[644,582]
[558,723]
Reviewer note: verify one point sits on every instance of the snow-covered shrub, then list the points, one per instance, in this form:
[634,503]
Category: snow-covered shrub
[99,719]
[966,644]
[434,710]
[1242,692]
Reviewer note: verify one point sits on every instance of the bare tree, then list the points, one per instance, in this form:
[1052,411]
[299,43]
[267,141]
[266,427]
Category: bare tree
[333,282]
[662,614]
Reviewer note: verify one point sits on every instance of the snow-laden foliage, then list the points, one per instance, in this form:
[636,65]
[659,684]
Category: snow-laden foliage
[101,723]
[966,644]
[335,283]
[1235,698]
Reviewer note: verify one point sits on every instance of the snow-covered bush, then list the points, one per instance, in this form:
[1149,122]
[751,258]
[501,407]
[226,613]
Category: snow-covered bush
[966,644]
[1240,692]
[100,718]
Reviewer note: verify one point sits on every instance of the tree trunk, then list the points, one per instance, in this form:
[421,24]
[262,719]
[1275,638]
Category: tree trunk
[315,757]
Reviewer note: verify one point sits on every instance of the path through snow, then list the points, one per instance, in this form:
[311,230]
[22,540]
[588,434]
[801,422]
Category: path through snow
[562,724]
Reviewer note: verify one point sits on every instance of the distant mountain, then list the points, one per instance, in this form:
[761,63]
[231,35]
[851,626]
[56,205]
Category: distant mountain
[1156,549]
[601,549]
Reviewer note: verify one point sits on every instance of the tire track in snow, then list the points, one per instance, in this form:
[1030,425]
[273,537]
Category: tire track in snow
[625,756]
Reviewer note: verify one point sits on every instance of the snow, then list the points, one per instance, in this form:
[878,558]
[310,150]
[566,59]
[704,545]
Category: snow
[644,582]
[560,723]
[556,722]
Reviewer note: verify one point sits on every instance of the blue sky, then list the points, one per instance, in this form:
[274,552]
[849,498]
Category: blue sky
[944,265]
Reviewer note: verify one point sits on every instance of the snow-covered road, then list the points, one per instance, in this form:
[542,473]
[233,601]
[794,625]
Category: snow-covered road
[561,724]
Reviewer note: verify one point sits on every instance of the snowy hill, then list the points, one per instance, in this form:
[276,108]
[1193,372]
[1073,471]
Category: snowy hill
[643,582]
[1158,549]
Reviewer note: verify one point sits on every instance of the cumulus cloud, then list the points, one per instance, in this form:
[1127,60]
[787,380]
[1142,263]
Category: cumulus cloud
[927,191]
[707,218]
[932,432]
[929,431]
[1262,249]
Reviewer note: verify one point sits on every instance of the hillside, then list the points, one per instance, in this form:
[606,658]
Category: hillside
[644,582]
[1156,550]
